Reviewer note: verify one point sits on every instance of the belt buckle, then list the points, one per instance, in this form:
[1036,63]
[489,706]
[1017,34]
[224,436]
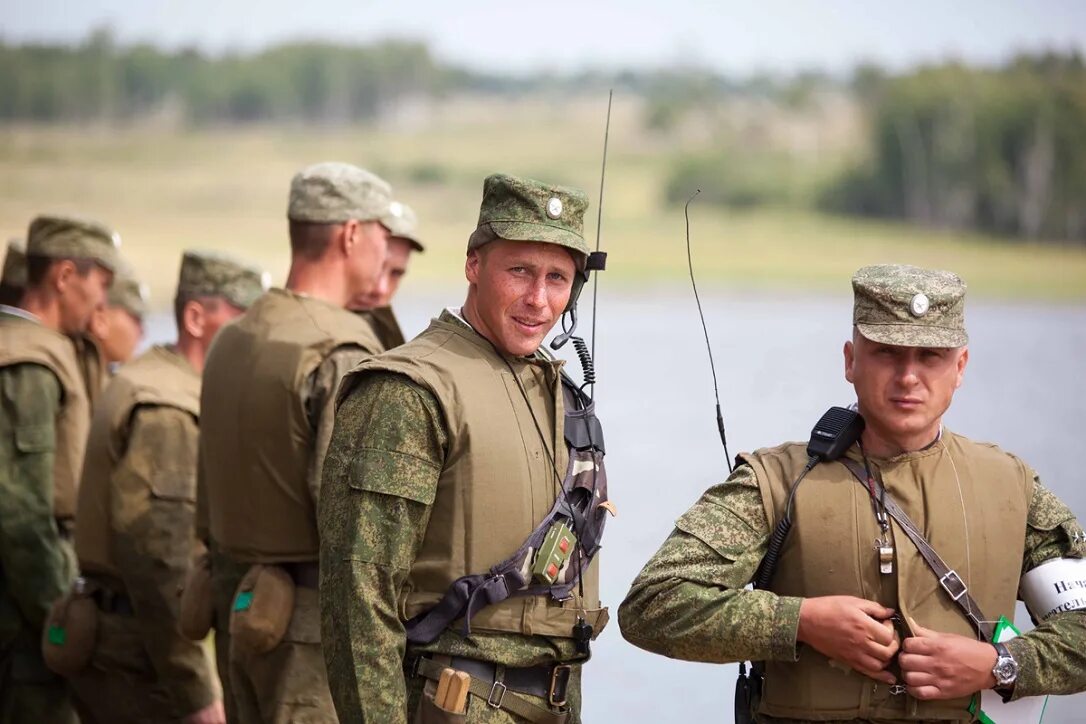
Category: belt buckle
[501,695]
[559,681]
[953,576]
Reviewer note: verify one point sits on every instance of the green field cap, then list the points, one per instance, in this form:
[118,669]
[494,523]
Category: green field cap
[404,224]
[332,193]
[14,275]
[909,307]
[520,209]
[128,293]
[213,274]
[72,237]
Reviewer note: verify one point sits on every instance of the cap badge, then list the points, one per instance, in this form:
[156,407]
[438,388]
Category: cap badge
[115,240]
[144,292]
[396,209]
[919,305]
[265,280]
[554,207]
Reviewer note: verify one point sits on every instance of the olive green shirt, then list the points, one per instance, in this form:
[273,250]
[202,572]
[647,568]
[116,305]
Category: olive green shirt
[369,542]
[36,564]
[689,601]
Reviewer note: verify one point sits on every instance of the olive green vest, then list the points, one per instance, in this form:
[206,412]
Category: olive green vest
[498,481]
[160,378]
[26,342]
[831,551]
[257,441]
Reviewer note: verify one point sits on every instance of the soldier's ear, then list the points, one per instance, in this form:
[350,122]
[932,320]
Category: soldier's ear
[850,358]
[963,360]
[471,266]
[194,319]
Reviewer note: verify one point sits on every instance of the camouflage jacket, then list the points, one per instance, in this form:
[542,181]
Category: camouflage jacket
[36,563]
[369,541]
[733,624]
[150,451]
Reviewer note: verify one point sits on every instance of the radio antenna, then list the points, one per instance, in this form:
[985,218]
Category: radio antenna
[705,330]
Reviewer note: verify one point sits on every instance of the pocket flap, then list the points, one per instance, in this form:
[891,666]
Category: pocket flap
[395,473]
[32,439]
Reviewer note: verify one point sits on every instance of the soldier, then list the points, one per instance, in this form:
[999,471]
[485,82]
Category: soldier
[43,428]
[266,418]
[376,307]
[446,452]
[115,331]
[854,631]
[136,506]
[13,281]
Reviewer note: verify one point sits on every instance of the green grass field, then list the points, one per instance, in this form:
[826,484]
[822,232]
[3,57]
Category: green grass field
[165,191]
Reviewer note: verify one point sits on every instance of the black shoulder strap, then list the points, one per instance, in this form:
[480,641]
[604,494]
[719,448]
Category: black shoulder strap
[948,578]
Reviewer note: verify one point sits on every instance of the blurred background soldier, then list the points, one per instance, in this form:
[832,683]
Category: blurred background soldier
[43,430]
[376,306]
[115,331]
[136,506]
[267,413]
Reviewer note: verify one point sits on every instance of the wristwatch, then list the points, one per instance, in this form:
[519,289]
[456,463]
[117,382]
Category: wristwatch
[1005,670]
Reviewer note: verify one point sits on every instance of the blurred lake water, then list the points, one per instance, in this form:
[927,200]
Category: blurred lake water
[780,365]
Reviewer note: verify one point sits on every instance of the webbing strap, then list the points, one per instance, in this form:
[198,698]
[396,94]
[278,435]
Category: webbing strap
[948,578]
[496,695]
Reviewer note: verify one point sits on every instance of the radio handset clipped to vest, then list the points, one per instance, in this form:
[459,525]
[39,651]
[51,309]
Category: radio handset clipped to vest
[834,433]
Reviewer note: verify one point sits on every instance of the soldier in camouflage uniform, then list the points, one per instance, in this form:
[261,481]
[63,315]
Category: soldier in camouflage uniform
[843,634]
[446,454]
[266,419]
[43,425]
[115,331]
[136,506]
[375,307]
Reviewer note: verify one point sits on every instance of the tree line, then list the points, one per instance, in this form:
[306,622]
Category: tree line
[997,149]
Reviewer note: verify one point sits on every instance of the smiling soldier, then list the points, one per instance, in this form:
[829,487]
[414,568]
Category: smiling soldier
[447,453]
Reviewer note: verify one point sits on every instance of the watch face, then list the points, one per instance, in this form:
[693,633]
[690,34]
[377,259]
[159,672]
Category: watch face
[1006,670]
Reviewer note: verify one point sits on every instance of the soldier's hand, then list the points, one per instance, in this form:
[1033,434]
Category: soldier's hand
[213,713]
[945,666]
[853,631]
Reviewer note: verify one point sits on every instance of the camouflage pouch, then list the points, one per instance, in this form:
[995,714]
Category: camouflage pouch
[197,604]
[70,630]
[262,609]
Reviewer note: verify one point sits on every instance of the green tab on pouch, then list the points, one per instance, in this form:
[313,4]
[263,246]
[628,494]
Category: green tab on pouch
[57,635]
[993,710]
[243,601]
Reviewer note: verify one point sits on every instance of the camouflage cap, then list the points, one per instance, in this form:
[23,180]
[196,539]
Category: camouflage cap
[332,193]
[520,209]
[128,293]
[212,274]
[404,225]
[14,275]
[909,306]
[71,237]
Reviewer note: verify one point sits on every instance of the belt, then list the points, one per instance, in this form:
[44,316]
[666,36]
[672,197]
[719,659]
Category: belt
[304,573]
[499,686]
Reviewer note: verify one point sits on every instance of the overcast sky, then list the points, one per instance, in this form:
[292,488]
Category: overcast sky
[733,37]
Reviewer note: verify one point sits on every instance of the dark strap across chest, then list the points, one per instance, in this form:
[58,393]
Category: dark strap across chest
[948,578]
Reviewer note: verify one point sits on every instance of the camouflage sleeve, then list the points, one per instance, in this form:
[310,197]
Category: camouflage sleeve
[151,511]
[380,479]
[36,564]
[1052,657]
[689,600]
[319,397]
